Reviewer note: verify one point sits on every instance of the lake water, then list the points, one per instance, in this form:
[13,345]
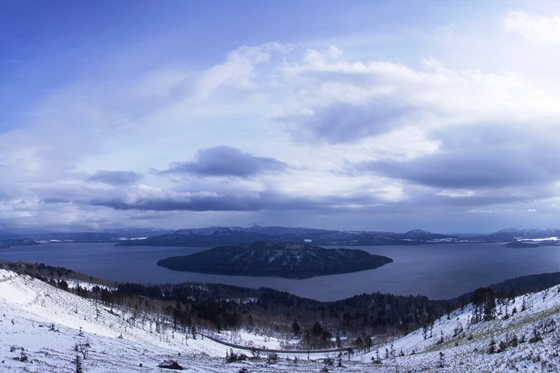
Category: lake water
[438,271]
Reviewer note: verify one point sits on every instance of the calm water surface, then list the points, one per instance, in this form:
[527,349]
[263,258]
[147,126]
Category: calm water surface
[438,271]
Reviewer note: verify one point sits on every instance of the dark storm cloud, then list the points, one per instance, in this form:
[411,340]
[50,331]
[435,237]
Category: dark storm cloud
[346,123]
[115,177]
[232,202]
[490,158]
[455,171]
[227,161]
[221,203]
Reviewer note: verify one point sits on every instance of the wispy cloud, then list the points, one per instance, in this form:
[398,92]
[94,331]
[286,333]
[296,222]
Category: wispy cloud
[541,30]
[237,71]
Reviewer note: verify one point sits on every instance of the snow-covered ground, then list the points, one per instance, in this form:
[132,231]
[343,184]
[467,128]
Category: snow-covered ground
[48,323]
[47,328]
[466,346]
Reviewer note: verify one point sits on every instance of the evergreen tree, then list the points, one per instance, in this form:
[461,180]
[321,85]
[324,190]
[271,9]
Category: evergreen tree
[296,328]
[78,363]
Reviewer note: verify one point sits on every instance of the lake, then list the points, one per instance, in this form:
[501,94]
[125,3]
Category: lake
[438,271]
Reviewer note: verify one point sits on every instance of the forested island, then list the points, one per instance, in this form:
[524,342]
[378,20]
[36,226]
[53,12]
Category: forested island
[263,258]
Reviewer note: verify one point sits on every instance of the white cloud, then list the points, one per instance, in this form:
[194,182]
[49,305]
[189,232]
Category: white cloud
[339,101]
[541,30]
[238,69]
[336,112]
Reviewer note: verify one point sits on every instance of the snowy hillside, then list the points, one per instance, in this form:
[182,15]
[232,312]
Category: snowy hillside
[44,329]
[48,324]
[526,340]
[44,326]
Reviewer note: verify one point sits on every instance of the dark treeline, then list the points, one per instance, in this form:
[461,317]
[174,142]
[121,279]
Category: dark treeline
[359,321]
[527,284]
[314,323]
[513,287]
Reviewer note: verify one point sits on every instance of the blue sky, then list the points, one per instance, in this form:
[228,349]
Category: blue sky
[441,115]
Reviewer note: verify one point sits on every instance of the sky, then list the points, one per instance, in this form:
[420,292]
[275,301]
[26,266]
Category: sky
[359,115]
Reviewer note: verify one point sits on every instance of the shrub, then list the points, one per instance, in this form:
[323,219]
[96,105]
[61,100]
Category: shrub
[171,364]
[232,357]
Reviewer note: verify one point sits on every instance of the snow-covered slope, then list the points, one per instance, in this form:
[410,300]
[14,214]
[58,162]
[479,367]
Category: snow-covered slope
[527,341]
[47,328]
[48,324]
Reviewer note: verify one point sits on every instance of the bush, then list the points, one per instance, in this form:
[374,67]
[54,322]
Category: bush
[22,357]
[272,358]
[170,364]
[329,361]
[232,357]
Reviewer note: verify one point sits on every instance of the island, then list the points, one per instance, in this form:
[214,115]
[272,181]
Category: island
[269,259]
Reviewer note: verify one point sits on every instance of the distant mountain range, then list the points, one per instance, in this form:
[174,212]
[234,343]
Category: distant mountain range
[522,238]
[16,242]
[237,235]
[113,235]
[219,235]
[511,234]
[263,258]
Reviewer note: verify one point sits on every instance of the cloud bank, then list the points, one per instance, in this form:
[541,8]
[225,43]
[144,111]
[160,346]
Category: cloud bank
[386,129]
